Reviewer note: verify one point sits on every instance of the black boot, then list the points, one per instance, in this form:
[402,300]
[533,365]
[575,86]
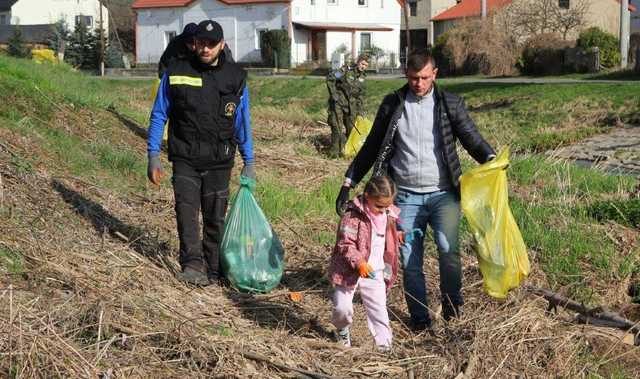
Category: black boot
[192,276]
[450,310]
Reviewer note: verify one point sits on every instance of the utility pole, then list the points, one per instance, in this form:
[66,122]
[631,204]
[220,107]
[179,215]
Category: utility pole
[406,25]
[101,40]
[625,21]
[483,9]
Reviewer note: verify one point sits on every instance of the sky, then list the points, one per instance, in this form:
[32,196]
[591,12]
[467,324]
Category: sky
[635,22]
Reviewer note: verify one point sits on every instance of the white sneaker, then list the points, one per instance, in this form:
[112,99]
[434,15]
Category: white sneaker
[384,348]
[344,337]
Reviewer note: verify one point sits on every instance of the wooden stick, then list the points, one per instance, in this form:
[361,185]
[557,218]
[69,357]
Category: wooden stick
[595,316]
[261,358]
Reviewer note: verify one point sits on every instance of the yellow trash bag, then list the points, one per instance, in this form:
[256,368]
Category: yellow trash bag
[502,254]
[154,93]
[357,136]
[44,56]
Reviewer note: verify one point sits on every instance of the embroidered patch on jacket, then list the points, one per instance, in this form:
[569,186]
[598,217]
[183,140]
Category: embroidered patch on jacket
[229,109]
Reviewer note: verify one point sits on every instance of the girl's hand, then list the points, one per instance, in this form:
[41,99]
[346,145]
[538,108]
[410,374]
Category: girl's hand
[365,270]
[401,238]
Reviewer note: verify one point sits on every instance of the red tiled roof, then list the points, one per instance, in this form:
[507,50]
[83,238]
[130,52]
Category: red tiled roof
[471,8]
[141,4]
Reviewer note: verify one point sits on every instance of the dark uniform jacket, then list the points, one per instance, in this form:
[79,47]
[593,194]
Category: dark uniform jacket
[204,100]
[452,120]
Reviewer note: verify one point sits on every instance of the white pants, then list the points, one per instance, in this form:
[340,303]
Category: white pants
[374,298]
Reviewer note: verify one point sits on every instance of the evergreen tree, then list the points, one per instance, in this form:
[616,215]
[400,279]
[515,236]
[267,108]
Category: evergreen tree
[83,49]
[60,37]
[17,47]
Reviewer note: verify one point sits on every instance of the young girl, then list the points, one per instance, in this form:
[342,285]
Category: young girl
[366,258]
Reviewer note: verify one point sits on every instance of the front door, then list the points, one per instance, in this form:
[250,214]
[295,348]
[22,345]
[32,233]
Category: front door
[319,45]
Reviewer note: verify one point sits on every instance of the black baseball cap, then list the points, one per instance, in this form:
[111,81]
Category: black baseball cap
[210,30]
[190,29]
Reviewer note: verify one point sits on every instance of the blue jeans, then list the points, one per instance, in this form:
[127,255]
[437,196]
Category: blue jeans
[441,211]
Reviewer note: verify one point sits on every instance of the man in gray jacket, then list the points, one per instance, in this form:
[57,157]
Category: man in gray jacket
[413,140]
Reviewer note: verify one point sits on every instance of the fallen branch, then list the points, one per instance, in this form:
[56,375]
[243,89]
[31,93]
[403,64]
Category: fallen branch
[594,316]
[261,358]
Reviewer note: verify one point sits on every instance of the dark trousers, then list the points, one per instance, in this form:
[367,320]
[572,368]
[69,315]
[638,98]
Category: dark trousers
[341,123]
[198,191]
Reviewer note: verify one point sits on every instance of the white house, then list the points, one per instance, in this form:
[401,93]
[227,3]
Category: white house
[39,12]
[316,27]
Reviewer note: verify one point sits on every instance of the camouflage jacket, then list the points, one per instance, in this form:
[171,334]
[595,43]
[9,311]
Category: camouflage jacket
[346,88]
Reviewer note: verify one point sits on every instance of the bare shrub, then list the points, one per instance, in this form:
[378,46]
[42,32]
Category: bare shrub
[543,54]
[477,46]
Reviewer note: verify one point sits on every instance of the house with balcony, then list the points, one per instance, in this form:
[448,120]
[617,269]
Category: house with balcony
[317,28]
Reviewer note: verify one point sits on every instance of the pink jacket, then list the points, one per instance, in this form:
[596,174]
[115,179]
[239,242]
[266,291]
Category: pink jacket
[354,245]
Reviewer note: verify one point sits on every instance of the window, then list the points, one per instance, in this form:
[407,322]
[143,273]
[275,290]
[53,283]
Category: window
[365,41]
[332,2]
[168,36]
[362,3]
[3,19]
[381,3]
[259,34]
[85,20]
[413,9]
[313,2]
[564,4]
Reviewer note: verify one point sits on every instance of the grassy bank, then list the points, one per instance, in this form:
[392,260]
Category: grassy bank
[89,254]
[528,117]
[63,114]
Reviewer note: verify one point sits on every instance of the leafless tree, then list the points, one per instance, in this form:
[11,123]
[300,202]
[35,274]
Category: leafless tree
[527,18]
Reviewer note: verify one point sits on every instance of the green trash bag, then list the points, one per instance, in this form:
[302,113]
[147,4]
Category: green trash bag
[251,253]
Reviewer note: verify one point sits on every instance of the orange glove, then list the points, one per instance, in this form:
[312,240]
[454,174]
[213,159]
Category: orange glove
[365,270]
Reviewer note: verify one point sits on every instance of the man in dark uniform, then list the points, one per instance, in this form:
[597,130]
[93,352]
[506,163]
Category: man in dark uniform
[346,101]
[182,46]
[206,99]
[178,48]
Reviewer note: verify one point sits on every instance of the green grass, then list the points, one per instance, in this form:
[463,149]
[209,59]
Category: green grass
[11,261]
[542,116]
[40,93]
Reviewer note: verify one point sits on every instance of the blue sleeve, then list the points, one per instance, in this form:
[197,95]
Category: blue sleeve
[159,116]
[242,126]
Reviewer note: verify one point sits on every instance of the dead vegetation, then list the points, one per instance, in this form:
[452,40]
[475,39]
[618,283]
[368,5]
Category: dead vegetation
[96,295]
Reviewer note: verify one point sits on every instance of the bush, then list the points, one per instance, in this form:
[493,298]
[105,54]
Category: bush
[543,55]
[44,56]
[113,57]
[443,55]
[608,44]
[625,212]
[16,46]
[276,48]
[476,46]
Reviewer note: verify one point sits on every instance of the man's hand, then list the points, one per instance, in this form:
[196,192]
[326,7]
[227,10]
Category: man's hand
[341,201]
[365,270]
[249,170]
[154,169]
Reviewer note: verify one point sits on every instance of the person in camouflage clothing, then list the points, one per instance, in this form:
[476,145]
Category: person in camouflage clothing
[346,101]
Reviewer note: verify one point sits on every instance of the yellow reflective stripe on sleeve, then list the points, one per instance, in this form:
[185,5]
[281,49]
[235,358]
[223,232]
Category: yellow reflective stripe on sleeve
[185,80]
